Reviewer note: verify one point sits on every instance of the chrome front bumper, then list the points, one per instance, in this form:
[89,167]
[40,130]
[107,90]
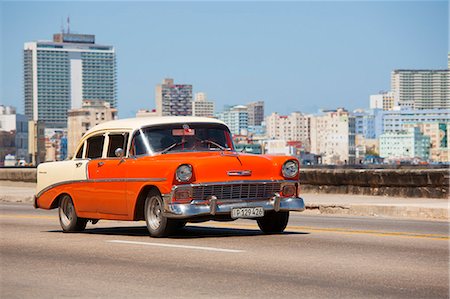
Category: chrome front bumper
[214,207]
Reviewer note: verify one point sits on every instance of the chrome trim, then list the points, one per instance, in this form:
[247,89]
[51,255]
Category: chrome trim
[239,173]
[186,211]
[111,180]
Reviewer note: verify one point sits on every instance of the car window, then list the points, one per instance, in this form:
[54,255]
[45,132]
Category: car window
[137,145]
[95,147]
[117,141]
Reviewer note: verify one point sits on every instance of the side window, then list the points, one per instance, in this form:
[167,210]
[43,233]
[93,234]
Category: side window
[95,147]
[80,152]
[116,141]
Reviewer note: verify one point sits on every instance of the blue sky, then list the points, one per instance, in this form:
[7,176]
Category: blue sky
[296,56]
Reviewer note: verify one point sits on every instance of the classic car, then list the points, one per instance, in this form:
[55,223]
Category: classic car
[168,171]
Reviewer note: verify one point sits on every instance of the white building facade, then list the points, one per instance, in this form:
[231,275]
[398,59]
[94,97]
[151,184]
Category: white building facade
[201,106]
[421,89]
[333,136]
[293,127]
[81,120]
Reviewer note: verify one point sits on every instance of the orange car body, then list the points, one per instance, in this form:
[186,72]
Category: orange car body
[114,188]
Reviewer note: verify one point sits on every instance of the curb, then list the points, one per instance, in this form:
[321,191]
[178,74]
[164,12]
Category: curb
[378,211]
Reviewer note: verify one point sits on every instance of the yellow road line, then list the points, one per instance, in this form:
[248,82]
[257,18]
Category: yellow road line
[289,228]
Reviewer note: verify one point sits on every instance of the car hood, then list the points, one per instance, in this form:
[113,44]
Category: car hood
[225,166]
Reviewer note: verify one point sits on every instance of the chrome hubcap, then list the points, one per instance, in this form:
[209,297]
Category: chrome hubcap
[154,213]
[66,211]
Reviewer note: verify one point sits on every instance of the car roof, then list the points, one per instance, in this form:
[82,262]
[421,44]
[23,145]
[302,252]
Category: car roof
[140,122]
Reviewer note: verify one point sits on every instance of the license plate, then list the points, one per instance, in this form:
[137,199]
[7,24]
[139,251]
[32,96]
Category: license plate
[247,212]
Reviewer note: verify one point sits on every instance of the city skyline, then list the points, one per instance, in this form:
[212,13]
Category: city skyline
[243,52]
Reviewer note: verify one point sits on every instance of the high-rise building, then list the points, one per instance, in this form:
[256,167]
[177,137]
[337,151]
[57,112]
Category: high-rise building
[255,113]
[236,117]
[173,99]
[421,89]
[333,136]
[407,144]
[383,100]
[201,106]
[60,74]
[81,120]
[293,127]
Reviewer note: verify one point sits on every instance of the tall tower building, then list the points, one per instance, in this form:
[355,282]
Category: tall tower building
[173,99]
[60,74]
[421,89]
[255,113]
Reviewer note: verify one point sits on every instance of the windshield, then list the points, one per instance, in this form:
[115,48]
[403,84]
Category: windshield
[181,138]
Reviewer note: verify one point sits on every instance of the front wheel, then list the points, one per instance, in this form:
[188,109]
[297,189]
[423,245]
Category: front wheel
[273,222]
[68,218]
[157,224]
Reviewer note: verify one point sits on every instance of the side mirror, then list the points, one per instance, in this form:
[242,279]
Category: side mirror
[119,152]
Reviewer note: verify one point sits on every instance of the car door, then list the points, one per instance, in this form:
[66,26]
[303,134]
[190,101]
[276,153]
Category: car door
[108,175]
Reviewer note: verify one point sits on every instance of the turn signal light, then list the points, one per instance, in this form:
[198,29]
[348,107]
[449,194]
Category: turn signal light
[288,190]
[182,195]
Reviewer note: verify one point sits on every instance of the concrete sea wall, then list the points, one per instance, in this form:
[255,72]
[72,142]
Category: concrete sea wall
[426,183]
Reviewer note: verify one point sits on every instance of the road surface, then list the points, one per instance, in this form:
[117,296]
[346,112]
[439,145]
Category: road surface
[317,257]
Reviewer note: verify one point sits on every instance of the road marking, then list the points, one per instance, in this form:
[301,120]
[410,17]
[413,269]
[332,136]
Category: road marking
[177,246]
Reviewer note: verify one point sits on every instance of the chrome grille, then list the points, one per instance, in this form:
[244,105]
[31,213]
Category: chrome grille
[250,191]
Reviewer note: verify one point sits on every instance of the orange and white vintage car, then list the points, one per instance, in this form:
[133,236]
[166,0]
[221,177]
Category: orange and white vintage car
[168,171]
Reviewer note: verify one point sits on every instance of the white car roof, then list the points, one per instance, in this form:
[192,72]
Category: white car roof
[139,122]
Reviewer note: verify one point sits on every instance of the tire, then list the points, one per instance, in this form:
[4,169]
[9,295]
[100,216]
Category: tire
[157,224]
[68,218]
[273,222]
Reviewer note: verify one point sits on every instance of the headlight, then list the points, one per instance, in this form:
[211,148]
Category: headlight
[290,169]
[184,173]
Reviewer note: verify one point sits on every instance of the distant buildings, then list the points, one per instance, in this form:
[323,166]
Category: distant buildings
[236,117]
[201,106]
[293,127]
[384,100]
[59,74]
[421,89]
[81,120]
[13,134]
[333,136]
[255,113]
[173,99]
[394,121]
[407,144]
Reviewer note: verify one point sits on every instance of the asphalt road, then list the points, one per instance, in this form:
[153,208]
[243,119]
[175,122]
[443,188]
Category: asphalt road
[317,257]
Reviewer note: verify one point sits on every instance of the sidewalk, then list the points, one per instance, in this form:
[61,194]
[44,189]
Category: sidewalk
[326,204]
[381,206]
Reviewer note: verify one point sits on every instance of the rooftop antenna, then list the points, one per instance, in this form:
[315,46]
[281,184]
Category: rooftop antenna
[68,24]
[62,26]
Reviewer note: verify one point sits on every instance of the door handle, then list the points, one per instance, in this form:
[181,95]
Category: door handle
[99,164]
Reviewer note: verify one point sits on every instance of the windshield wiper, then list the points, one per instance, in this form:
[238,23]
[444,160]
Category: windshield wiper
[214,143]
[172,146]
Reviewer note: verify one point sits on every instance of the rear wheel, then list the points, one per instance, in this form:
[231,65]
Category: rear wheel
[273,222]
[68,218]
[157,224]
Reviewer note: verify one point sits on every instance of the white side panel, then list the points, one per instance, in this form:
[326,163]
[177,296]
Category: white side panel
[76,79]
[52,173]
